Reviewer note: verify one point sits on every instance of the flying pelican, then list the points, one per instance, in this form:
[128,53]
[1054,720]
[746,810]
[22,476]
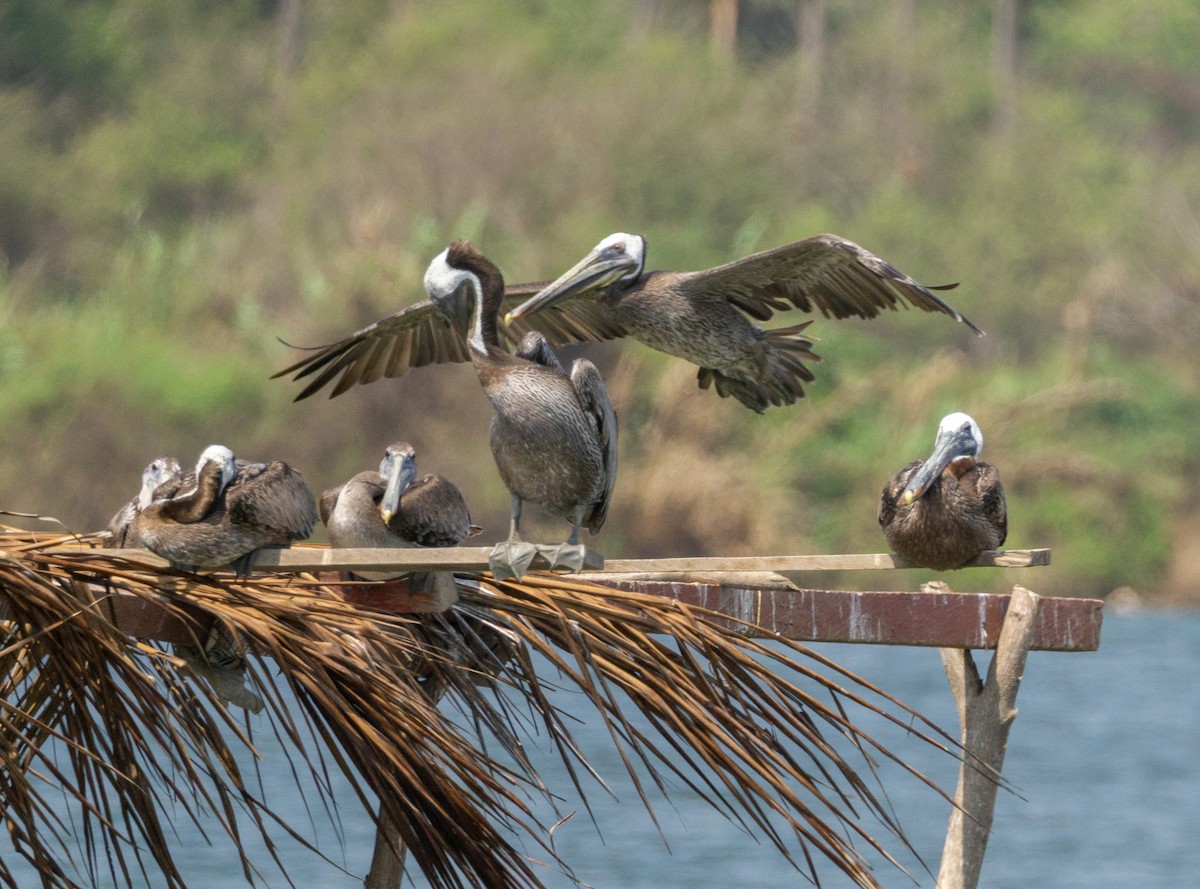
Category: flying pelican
[553,434]
[943,512]
[233,509]
[705,317]
[120,531]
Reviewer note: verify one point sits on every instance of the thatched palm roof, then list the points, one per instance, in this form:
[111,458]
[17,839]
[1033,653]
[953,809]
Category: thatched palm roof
[751,727]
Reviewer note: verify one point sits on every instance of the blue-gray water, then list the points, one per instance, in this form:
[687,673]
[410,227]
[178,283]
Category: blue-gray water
[1105,753]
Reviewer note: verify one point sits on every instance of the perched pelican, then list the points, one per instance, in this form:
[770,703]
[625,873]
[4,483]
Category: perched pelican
[942,512]
[394,508]
[705,317]
[553,434]
[120,531]
[233,509]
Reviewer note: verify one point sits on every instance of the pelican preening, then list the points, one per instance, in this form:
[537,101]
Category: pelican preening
[553,433]
[232,509]
[705,317]
[120,530]
[944,511]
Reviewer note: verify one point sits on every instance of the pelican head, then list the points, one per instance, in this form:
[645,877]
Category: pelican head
[619,257]
[155,473]
[958,437]
[399,467]
[223,457]
[447,287]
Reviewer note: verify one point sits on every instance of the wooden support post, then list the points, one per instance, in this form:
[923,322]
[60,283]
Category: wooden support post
[986,710]
[387,860]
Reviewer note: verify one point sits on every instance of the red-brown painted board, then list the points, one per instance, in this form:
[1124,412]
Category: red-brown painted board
[942,620]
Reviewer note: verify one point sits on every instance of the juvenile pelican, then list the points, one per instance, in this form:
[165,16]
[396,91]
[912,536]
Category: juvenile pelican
[705,317]
[120,526]
[394,508]
[553,434]
[233,509]
[943,512]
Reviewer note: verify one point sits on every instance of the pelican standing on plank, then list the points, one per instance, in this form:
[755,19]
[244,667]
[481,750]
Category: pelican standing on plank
[233,509]
[943,512]
[705,317]
[553,433]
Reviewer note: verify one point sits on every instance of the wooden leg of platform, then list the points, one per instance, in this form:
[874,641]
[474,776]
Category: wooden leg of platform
[387,861]
[986,710]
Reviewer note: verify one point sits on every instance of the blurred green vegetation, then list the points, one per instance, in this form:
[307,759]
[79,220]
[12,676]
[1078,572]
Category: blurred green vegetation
[184,181]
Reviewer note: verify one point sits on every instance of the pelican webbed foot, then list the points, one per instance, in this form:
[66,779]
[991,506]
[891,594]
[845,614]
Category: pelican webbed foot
[510,560]
[566,555]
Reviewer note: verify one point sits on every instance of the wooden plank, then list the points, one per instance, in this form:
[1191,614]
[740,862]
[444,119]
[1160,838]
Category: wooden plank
[310,557]
[315,558]
[935,619]
[1024,558]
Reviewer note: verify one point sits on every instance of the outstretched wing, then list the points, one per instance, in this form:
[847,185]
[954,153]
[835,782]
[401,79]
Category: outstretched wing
[826,273]
[419,335]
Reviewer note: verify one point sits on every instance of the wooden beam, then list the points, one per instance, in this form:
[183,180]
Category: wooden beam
[310,557]
[925,618]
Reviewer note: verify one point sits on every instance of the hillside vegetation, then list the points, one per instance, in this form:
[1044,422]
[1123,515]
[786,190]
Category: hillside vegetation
[184,182]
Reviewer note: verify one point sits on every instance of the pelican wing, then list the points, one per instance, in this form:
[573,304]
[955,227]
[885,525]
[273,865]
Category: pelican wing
[593,397]
[536,348]
[825,273]
[274,496]
[419,335]
[985,479]
[412,337]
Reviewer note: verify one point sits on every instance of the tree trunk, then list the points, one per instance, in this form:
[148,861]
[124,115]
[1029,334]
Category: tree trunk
[722,27]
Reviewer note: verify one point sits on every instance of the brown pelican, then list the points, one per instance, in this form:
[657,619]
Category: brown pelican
[553,434]
[120,531]
[705,317]
[394,508]
[943,512]
[233,509]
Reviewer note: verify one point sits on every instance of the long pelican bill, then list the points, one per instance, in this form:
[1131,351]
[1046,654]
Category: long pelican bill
[597,269]
[402,469]
[951,443]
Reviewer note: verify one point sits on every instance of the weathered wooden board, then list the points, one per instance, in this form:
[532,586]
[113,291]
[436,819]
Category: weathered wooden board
[322,558]
[942,619]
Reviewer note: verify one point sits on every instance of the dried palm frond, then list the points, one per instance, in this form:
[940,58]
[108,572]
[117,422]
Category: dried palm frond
[753,728]
[138,741]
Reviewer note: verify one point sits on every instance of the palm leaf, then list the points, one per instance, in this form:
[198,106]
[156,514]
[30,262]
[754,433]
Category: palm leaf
[685,695]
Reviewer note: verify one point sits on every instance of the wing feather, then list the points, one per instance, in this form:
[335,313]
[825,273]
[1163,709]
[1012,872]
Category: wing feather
[826,274]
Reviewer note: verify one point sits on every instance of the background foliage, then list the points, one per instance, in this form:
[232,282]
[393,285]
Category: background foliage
[185,181]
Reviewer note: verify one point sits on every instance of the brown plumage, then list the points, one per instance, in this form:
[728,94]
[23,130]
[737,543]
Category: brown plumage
[425,511]
[943,512]
[120,531]
[234,509]
[705,317]
[554,432]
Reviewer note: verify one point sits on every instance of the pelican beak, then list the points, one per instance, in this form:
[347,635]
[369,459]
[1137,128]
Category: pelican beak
[403,471]
[595,270]
[946,448]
